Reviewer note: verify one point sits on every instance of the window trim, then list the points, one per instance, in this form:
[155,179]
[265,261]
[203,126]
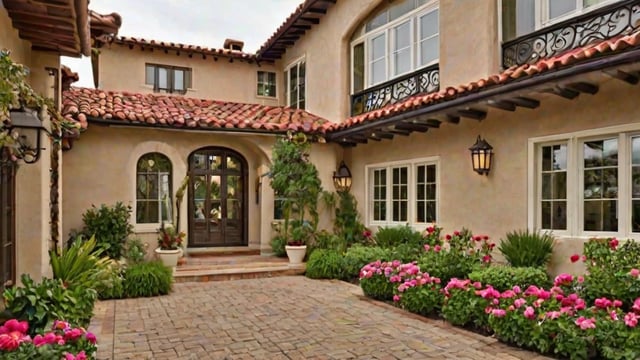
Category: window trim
[171,69]
[575,167]
[411,164]
[365,38]
[270,97]
[292,64]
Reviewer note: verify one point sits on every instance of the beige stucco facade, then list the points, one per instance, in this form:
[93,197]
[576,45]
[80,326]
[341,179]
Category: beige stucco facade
[33,181]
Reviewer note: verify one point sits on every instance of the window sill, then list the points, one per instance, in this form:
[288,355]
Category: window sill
[148,228]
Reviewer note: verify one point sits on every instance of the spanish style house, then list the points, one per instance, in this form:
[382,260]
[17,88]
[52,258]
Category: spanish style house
[399,91]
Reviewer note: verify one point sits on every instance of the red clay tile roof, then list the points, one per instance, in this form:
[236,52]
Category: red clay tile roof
[515,73]
[186,49]
[79,104]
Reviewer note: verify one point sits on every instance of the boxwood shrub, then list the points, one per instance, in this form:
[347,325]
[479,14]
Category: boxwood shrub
[358,256]
[503,277]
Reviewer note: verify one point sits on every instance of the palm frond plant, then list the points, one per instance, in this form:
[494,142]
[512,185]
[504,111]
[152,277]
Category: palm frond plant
[80,265]
[524,248]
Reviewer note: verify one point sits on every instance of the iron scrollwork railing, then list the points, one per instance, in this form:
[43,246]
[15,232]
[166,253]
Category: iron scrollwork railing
[425,80]
[601,24]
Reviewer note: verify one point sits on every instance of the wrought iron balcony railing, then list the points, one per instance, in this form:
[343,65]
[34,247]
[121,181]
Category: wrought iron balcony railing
[421,81]
[600,24]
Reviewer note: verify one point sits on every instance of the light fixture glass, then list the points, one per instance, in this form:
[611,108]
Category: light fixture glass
[342,178]
[481,156]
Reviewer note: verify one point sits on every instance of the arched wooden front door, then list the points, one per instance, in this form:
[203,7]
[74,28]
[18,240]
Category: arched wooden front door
[217,198]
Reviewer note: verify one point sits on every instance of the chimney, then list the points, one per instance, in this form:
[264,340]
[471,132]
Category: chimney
[234,45]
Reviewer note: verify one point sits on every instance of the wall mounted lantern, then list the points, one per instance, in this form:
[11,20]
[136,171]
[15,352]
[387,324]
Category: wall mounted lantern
[25,129]
[342,178]
[481,156]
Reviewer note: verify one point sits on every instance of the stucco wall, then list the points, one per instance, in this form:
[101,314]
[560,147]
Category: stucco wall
[102,164]
[20,49]
[122,68]
[497,203]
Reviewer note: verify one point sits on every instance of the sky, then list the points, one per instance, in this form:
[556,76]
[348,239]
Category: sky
[194,22]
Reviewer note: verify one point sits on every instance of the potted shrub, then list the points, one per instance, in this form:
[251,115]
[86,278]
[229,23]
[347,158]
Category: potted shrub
[169,247]
[295,179]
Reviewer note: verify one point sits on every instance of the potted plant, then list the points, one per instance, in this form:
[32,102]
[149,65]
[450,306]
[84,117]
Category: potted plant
[169,247]
[295,179]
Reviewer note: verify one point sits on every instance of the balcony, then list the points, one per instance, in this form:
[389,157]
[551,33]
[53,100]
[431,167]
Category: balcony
[424,80]
[604,23]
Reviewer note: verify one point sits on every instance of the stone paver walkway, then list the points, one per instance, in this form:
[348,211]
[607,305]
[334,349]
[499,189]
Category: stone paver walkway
[279,318]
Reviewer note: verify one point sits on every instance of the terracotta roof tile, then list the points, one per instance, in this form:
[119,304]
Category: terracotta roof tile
[514,73]
[188,49]
[182,112]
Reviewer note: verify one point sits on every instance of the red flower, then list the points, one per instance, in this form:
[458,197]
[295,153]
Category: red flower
[448,237]
[613,243]
[575,258]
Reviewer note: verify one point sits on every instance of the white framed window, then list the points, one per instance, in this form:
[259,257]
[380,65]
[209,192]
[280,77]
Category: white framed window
[586,183]
[404,192]
[266,84]
[153,189]
[520,17]
[395,41]
[295,84]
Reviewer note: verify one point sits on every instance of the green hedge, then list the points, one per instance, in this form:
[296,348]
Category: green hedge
[147,279]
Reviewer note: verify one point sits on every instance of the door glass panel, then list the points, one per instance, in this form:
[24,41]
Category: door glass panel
[199,197]
[199,161]
[234,189]
[214,162]
[233,163]
[215,213]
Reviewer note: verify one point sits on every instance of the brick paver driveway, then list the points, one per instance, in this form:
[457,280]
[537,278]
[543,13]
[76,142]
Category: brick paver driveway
[279,318]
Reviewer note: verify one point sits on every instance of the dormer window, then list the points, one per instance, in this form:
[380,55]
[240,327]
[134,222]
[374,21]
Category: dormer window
[168,79]
[396,40]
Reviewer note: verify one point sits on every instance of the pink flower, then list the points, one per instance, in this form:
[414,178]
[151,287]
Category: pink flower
[396,298]
[61,325]
[437,248]
[529,313]
[613,315]
[613,243]
[366,233]
[477,238]
[563,279]
[508,294]
[553,314]
[617,303]
[81,356]
[517,290]
[477,285]
[585,323]
[448,237]
[73,334]
[456,233]
[427,247]
[575,258]
[635,273]
[636,305]
[486,259]
[498,313]
[602,303]
[631,320]
[580,279]
[430,229]
[519,302]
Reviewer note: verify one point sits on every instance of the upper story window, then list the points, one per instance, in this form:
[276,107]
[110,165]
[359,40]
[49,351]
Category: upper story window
[396,40]
[266,84]
[295,76]
[153,189]
[520,17]
[168,79]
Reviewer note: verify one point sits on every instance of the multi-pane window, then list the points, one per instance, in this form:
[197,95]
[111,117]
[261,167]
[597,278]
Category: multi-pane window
[600,180]
[403,193]
[153,189]
[266,83]
[168,79]
[398,39]
[520,17]
[425,193]
[553,180]
[588,184]
[295,76]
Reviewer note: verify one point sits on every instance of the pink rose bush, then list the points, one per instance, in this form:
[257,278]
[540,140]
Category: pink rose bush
[416,291]
[62,342]
[375,279]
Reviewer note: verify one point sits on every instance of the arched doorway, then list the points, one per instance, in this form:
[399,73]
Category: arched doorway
[217,198]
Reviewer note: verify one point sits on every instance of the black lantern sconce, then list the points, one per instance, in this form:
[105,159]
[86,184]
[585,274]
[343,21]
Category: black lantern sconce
[342,178]
[481,156]
[25,128]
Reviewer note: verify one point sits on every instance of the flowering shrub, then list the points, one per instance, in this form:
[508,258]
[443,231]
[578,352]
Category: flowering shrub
[62,342]
[358,256]
[374,279]
[462,307]
[417,292]
[169,238]
[458,257]
[612,270]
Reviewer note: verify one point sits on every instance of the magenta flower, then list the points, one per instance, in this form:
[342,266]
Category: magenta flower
[396,298]
[574,258]
[585,323]
[563,279]
[603,303]
[427,247]
[437,248]
[517,290]
[613,243]
[636,305]
[498,313]
[553,314]
[635,273]
[519,302]
[613,315]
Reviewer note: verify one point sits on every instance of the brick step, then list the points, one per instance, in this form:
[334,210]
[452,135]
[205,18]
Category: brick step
[225,273]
